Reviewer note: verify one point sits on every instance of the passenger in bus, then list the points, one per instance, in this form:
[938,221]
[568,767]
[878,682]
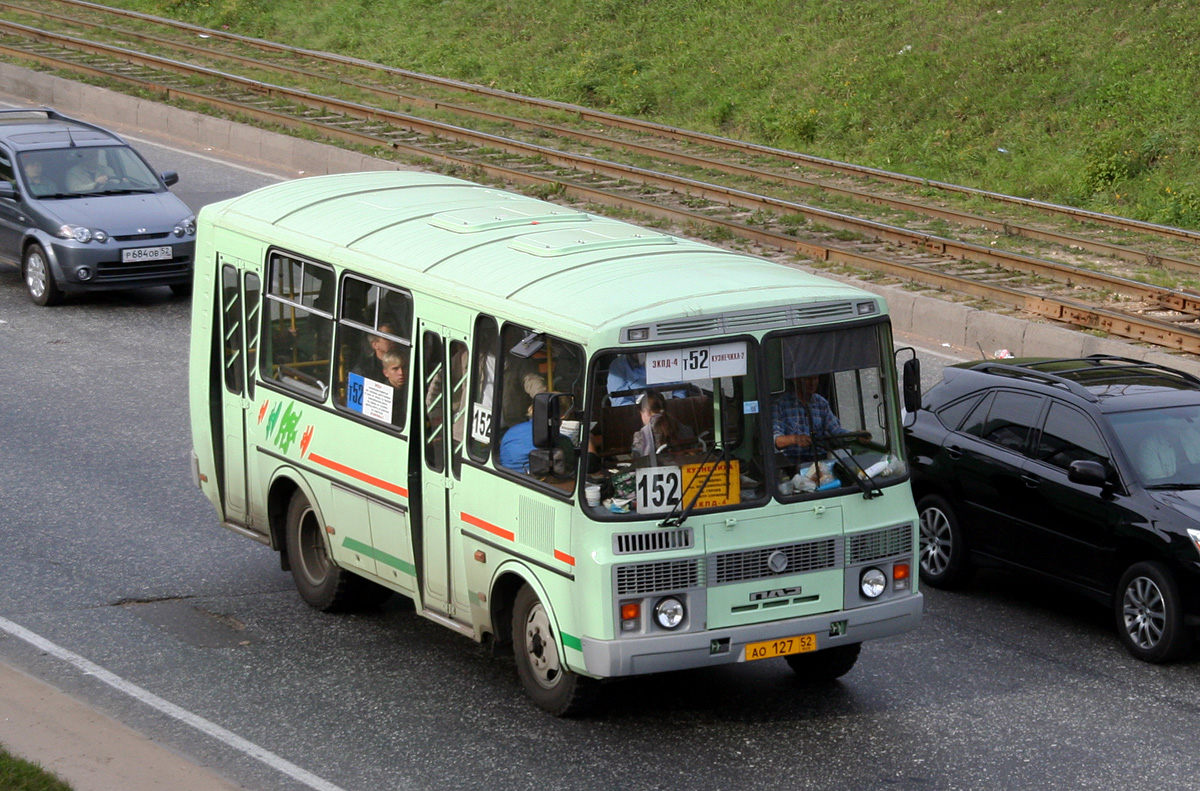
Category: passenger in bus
[658,429]
[370,361]
[800,414]
[627,378]
[395,370]
[516,446]
[522,381]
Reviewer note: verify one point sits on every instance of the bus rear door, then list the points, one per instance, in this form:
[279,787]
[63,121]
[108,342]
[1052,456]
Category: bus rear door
[441,391]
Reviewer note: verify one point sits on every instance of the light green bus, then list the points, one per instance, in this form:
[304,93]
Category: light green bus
[613,450]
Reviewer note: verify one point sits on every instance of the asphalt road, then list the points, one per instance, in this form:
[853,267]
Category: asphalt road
[112,557]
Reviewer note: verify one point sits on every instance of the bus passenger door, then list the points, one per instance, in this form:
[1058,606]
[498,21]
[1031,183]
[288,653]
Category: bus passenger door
[442,408]
[236,330]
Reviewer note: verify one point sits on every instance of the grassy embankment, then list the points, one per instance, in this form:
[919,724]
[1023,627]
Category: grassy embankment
[19,775]
[1093,103]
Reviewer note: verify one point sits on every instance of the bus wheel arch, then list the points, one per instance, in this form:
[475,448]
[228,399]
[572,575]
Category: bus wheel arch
[279,498]
[541,666]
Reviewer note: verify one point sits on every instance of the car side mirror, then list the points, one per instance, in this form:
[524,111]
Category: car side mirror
[169,177]
[1087,473]
[7,190]
[548,410]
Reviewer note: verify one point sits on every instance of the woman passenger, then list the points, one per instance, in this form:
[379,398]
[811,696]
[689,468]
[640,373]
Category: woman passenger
[658,429]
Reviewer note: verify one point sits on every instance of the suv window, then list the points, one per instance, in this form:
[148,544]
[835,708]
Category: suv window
[952,415]
[1069,436]
[1010,416]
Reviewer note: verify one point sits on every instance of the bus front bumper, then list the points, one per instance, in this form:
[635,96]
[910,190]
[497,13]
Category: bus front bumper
[660,653]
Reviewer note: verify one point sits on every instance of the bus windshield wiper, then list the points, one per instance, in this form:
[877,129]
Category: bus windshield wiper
[673,521]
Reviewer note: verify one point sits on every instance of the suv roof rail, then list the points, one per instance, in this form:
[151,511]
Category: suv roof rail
[1021,372]
[1094,362]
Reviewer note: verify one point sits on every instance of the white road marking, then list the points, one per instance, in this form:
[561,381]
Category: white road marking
[222,735]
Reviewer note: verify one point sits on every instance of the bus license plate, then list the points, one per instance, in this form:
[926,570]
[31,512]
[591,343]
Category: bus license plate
[136,254]
[767,649]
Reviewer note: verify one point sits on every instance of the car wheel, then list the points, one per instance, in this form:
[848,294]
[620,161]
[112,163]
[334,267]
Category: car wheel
[943,549]
[552,686]
[825,665]
[323,585]
[1149,614]
[39,280]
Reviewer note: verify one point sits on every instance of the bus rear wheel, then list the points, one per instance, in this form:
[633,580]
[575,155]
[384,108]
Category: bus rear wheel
[545,679]
[321,584]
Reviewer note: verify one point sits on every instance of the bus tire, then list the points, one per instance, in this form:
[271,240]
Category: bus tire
[552,686]
[825,665]
[321,584]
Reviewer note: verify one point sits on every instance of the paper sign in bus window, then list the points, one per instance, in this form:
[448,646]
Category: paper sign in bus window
[697,362]
[371,398]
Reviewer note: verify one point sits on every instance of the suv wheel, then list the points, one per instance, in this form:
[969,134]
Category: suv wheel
[943,550]
[39,280]
[1149,614]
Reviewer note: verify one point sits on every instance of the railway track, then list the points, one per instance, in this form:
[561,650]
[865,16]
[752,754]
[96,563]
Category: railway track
[715,188]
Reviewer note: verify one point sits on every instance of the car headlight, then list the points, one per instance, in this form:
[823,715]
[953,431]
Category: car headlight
[1195,534]
[186,226]
[81,234]
[873,583]
[669,612]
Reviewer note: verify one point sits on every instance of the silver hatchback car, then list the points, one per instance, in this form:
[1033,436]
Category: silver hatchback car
[80,210]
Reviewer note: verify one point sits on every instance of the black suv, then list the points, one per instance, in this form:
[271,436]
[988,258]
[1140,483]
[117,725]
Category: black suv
[1084,471]
[80,210]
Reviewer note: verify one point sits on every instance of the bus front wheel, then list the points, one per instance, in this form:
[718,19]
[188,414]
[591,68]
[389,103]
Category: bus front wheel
[321,584]
[546,680]
[825,665]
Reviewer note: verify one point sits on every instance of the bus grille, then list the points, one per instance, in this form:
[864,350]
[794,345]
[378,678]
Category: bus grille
[654,541]
[878,544]
[667,575]
[753,564]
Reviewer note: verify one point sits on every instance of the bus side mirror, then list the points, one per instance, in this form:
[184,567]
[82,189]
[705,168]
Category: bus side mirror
[910,384]
[547,418]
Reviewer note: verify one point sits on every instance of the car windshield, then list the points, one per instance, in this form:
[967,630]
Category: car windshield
[1163,445]
[90,170]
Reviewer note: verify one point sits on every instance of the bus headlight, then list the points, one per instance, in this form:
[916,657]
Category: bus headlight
[873,583]
[669,612]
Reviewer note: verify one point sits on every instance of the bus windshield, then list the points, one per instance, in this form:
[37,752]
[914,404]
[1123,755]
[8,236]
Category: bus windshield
[688,428]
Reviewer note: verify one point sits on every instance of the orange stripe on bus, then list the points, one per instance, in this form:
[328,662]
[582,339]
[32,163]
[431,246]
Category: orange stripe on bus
[564,557]
[488,526]
[362,476]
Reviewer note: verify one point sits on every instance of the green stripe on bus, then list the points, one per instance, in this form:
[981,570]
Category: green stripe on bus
[571,641]
[380,556]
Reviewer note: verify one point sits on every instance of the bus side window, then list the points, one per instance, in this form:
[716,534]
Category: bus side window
[533,363]
[297,337]
[483,388]
[373,350]
[232,314]
[253,294]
